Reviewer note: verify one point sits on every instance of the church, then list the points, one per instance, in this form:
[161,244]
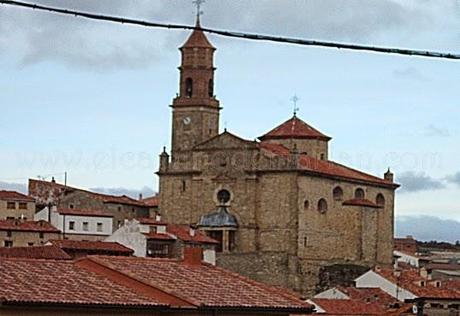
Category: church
[283,213]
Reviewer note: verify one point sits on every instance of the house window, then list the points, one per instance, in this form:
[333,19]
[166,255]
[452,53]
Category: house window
[322,206]
[10,218]
[211,88]
[322,156]
[23,206]
[359,194]
[218,236]
[337,193]
[8,244]
[72,225]
[306,205]
[9,233]
[231,240]
[85,226]
[99,227]
[156,250]
[305,241]
[30,244]
[71,206]
[119,209]
[41,235]
[380,200]
[11,205]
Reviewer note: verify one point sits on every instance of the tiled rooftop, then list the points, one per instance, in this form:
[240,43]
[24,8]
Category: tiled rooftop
[15,196]
[84,212]
[28,226]
[39,252]
[91,246]
[294,128]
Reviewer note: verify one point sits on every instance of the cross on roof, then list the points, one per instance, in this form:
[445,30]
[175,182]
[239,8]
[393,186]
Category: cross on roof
[198,4]
[294,100]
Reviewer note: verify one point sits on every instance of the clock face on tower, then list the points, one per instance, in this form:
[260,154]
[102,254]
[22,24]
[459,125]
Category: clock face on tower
[187,120]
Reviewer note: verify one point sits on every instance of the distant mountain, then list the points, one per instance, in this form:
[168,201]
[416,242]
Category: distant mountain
[427,228]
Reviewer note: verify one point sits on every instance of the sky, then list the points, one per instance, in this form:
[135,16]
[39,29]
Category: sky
[92,98]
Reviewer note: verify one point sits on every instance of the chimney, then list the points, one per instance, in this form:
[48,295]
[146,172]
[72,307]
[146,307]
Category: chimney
[140,197]
[193,256]
[389,176]
[53,180]
[158,217]
[192,232]
[423,273]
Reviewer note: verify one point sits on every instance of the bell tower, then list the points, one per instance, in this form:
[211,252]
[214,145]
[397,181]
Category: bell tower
[195,109]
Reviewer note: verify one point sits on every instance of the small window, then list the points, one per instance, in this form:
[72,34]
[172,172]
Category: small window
[322,156]
[211,88]
[119,209]
[184,186]
[337,193]
[322,206]
[71,206]
[11,205]
[23,206]
[359,194]
[10,218]
[8,244]
[218,236]
[305,241]
[9,233]
[231,240]
[189,87]
[157,250]
[41,235]
[30,244]
[99,227]
[306,205]
[72,225]
[85,226]
[118,224]
[224,196]
[380,200]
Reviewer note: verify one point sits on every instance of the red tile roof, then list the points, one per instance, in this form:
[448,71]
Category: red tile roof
[15,196]
[159,236]
[183,233]
[61,282]
[326,168]
[374,295]
[153,201]
[409,280]
[198,39]
[202,284]
[84,212]
[39,252]
[28,226]
[349,307]
[294,128]
[45,192]
[150,221]
[104,246]
[361,202]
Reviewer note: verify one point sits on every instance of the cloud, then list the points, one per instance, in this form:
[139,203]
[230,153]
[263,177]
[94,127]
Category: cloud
[145,191]
[19,187]
[434,131]
[428,228]
[36,37]
[409,73]
[415,182]
[455,178]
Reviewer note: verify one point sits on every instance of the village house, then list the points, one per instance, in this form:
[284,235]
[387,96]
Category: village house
[51,193]
[15,205]
[101,285]
[430,296]
[20,233]
[78,224]
[35,252]
[151,237]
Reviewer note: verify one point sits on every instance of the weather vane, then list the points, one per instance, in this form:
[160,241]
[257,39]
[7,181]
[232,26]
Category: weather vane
[294,100]
[198,4]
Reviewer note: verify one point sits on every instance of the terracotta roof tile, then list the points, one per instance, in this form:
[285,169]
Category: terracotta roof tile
[112,247]
[198,39]
[348,307]
[294,128]
[84,212]
[326,167]
[361,202]
[40,252]
[183,233]
[150,221]
[15,196]
[29,226]
[62,282]
[152,201]
[202,285]
[159,236]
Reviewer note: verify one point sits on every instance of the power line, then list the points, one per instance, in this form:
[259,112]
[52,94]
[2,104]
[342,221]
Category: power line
[248,36]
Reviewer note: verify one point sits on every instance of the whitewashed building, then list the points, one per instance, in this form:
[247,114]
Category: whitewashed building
[79,224]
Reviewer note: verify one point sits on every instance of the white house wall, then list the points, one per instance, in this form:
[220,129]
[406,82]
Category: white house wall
[129,235]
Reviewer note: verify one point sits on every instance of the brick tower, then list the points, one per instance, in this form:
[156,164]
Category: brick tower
[195,109]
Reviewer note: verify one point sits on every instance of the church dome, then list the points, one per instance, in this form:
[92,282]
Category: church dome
[220,218]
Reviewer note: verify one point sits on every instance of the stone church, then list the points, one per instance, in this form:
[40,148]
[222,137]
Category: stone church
[282,211]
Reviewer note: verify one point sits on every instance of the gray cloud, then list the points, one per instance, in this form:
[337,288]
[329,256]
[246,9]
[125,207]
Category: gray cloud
[37,37]
[19,187]
[455,178]
[428,228]
[435,131]
[415,182]
[145,191]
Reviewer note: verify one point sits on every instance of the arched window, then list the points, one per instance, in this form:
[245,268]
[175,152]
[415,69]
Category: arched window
[306,205]
[380,200]
[359,194]
[189,87]
[322,206]
[337,193]
[211,88]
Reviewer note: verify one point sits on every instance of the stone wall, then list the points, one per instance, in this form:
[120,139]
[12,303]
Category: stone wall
[26,239]
[18,212]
